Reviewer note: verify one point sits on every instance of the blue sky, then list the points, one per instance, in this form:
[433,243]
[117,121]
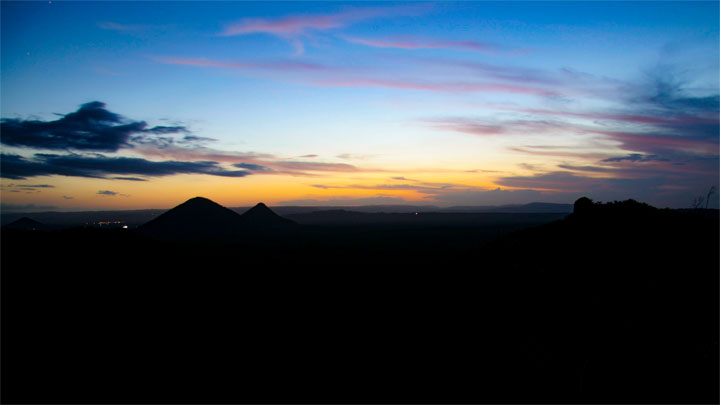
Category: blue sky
[340,103]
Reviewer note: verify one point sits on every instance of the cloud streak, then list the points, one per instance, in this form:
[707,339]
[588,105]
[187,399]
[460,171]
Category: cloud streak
[107,192]
[127,28]
[446,87]
[288,66]
[333,76]
[412,43]
[99,166]
[293,26]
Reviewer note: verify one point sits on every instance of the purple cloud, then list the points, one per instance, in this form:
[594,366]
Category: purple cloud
[292,26]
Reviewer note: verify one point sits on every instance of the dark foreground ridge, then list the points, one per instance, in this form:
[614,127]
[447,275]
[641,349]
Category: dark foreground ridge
[615,303]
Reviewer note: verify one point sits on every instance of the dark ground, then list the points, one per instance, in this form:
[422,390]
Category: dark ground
[617,303]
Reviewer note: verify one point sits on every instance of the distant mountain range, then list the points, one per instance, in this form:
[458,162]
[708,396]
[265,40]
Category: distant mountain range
[535,207]
[135,218]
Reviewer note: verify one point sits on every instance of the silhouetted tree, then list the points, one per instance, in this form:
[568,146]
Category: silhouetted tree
[709,194]
[583,205]
[699,200]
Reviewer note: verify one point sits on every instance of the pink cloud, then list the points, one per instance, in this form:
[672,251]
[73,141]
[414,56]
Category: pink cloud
[294,26]
[334,76]
[288,26]
[652,143]
[488,127]
[205,154]
[466,126]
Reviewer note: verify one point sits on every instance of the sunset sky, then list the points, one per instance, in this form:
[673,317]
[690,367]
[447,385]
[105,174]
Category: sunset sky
[129,105]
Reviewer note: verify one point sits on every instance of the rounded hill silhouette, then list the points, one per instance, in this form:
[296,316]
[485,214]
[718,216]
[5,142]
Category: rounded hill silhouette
[202,218]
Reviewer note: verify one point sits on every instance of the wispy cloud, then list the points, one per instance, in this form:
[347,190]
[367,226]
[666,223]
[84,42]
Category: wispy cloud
[492,79]
[27,188]
[128,28]
[113,26]
[419,43]
[313,166]
[345,201]
[485,127]
[643,119]
[416,186]
[110,193]
[353,156]
[635,157]
[33,185]
[447,87]
[107,192]
[271,164]
[663,143]
[285,65]
[128,178]
[294,28]
[560,181]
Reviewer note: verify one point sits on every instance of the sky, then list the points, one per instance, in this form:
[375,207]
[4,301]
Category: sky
[131,105]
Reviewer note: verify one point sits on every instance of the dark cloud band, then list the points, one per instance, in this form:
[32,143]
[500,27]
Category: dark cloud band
[99,166]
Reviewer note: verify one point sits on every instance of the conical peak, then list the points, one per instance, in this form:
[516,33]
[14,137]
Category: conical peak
[26,223]
[27,220]
[260,208]
[196,217]
[261,215]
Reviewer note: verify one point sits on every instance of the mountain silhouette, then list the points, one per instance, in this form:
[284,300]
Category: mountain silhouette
[262,217]
[196,217]
[26,224]
[202,218]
